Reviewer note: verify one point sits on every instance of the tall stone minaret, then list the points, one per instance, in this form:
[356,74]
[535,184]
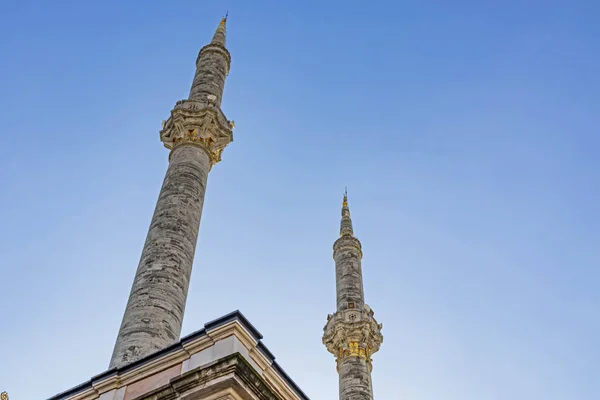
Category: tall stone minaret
[351,334]
[196,133]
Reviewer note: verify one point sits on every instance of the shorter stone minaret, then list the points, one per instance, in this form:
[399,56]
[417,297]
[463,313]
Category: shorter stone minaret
[352,334]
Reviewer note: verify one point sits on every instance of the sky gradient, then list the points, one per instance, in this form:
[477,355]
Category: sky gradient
[467,135]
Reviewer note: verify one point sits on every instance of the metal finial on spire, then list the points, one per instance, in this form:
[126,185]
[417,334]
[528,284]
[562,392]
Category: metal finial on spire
[224,19]
[345,204]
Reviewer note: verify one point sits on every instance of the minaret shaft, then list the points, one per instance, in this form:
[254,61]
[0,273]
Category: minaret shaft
[210,78]
[348,271]
[355,379]
[352,334]
[196,132]
[156,305]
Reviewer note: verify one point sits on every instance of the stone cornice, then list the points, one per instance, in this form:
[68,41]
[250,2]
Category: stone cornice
[229,372]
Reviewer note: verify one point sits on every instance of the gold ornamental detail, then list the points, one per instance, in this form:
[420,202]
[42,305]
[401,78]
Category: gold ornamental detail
[352,338]
[354,350]
[191,136]
[3,396]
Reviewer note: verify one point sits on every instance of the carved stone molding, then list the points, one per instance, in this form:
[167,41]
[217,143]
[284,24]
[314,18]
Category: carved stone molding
[352,333]
[198,123]
[230,372]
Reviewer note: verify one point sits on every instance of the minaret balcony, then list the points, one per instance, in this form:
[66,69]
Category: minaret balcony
[352,329]
[200,123]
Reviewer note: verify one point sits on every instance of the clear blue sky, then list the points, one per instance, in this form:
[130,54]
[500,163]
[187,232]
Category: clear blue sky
[467,133]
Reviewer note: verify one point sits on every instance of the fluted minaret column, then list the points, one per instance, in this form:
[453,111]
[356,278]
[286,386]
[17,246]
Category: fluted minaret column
[196,133]
[351,334]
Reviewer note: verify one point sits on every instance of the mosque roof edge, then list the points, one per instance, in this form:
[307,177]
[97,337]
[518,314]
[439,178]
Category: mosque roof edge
[233,316]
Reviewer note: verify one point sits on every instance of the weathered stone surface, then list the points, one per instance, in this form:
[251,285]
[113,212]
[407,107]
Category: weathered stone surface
[154,313]
[348,272]
[211,70]
[212,67]
[355,379]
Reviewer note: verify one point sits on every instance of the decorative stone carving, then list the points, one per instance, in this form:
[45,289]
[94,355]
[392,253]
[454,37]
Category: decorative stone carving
[199,123]
[205,380]
[351,316]
[352,333]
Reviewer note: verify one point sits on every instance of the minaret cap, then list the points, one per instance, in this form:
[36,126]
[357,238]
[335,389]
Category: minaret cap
[346,224]
[219,36]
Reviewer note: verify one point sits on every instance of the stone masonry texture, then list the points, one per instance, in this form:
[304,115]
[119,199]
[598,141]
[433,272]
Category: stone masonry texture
[355,379]
[210,76]
[212,67]
[154,313]
[348,271]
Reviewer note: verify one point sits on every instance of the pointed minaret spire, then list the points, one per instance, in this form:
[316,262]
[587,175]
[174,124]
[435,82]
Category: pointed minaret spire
[352,334]
[212,68]
[220,33]
[346,224]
